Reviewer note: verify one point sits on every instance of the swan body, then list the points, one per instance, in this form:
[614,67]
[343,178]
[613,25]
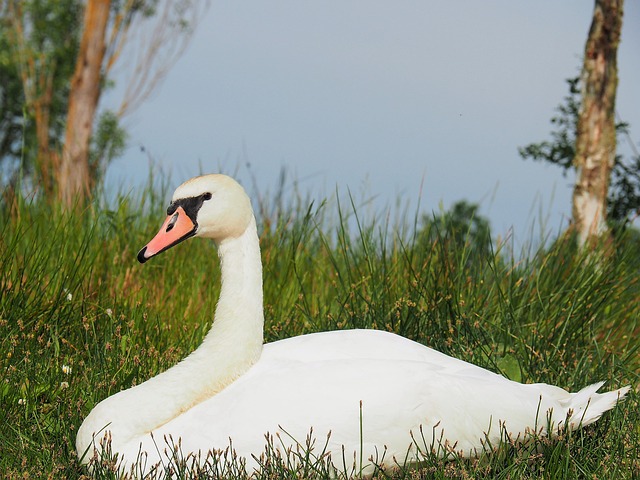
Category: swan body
[379,396]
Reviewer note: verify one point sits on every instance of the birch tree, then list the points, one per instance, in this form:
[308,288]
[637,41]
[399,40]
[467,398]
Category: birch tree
[83,100]
[595,151]
[607,185]
[92,40]
[159,46]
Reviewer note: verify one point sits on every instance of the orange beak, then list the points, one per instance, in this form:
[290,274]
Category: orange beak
[175,229]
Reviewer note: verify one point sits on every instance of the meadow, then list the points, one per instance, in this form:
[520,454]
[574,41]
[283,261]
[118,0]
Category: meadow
[80,319]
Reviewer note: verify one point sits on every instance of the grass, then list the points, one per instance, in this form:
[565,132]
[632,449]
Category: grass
[80,319]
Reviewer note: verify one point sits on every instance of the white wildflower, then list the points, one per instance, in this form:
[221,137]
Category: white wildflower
[66,369]
[109,312]
[69,296]
[22,401]
[64,385]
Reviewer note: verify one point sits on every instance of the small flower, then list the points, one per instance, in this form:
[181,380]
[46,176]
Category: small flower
[109,312]
[66,369]
[22,401]
[69,296]
[64,385]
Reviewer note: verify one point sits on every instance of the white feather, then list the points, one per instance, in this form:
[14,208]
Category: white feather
[376,393]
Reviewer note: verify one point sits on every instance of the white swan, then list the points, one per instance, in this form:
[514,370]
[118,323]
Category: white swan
[370,389]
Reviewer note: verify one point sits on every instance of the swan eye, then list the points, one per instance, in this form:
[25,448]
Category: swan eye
[206,196]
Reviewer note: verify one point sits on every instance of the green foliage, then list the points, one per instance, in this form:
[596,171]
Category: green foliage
[561,149]
[624,189]
[46,56]
[108,143]
[462,228]
[11,105]
[80,319]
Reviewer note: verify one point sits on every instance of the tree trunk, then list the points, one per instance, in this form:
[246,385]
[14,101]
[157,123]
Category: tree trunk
[74,180]
[44,161]
[596,134]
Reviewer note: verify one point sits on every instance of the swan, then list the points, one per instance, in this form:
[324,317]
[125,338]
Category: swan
[373,392]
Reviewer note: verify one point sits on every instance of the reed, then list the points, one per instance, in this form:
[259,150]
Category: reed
[80,319]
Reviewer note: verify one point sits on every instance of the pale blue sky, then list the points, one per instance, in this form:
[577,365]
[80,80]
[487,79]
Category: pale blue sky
[381,97]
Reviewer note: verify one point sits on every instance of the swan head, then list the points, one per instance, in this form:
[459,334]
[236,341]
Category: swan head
[210,206]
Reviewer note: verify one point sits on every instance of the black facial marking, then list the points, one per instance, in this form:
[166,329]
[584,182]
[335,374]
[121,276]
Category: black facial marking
[190,205]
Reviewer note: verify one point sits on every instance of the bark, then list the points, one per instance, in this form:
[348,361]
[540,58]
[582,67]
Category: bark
[45,158]
[596,135]
[74,177]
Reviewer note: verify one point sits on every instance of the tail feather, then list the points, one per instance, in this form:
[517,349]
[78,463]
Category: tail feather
[586,406]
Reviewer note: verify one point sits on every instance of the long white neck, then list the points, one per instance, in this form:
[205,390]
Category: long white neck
[233,344]
[235,340]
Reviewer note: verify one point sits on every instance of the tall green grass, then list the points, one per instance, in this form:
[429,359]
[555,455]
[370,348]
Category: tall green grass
[80,319]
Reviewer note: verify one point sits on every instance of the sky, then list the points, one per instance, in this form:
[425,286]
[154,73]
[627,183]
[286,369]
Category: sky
[417,101]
